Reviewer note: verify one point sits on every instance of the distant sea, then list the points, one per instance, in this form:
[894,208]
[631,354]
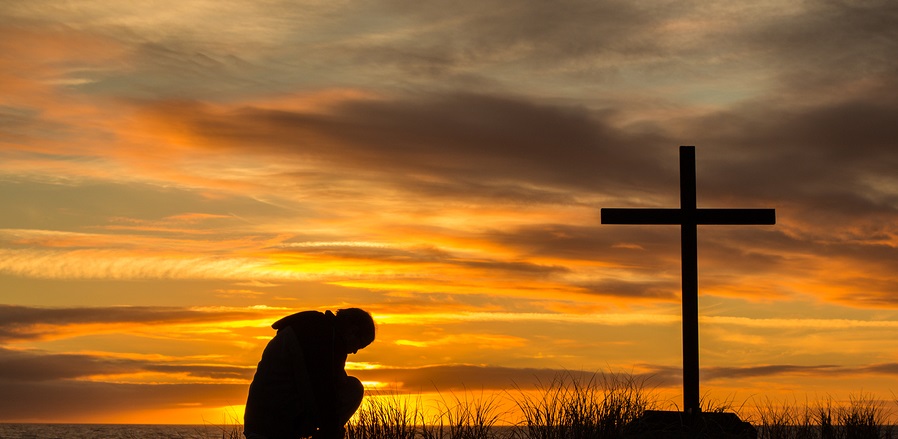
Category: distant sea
[114,431]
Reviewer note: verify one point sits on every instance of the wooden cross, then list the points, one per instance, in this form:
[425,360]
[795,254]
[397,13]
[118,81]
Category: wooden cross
[688,217]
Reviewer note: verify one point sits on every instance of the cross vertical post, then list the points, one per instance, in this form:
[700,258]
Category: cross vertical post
[688,217]
[689,276]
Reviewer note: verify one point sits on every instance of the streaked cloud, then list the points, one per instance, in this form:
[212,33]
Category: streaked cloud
[21,322]
[828,324]
[60,368]
[82,400]
[87,264]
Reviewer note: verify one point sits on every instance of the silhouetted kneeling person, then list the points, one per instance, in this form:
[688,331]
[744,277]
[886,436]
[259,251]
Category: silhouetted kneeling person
[301,388]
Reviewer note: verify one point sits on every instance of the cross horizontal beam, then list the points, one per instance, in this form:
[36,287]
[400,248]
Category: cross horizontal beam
[682,216]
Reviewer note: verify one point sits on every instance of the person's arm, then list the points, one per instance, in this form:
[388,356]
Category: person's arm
[315,333]
[332,425]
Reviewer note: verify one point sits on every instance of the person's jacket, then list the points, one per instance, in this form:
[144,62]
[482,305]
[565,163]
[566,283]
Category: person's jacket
[295,388]
[324,351]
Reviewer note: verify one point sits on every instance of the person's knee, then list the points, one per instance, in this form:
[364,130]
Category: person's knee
[351,394]
[353,390]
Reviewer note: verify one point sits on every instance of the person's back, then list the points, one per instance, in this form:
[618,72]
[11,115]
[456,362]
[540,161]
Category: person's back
[300,388]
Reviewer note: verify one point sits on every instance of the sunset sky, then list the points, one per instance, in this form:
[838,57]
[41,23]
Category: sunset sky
[177,175]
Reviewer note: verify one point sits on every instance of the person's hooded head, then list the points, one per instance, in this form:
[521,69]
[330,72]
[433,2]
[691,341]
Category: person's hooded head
[357,328]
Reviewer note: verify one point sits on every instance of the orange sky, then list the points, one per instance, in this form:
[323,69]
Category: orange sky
[178,175]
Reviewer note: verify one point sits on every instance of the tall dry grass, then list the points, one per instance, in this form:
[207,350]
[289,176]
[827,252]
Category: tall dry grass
[396,416]
[600,406]
[465,417]
[863,417]
[785,421]
[385,416]
[229,428]
[576,406]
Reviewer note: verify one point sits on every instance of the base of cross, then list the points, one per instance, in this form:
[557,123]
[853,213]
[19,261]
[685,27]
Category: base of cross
[657,424]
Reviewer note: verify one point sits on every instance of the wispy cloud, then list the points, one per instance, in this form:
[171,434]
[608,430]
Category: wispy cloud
[827,324]
[99,264]
[21,322]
